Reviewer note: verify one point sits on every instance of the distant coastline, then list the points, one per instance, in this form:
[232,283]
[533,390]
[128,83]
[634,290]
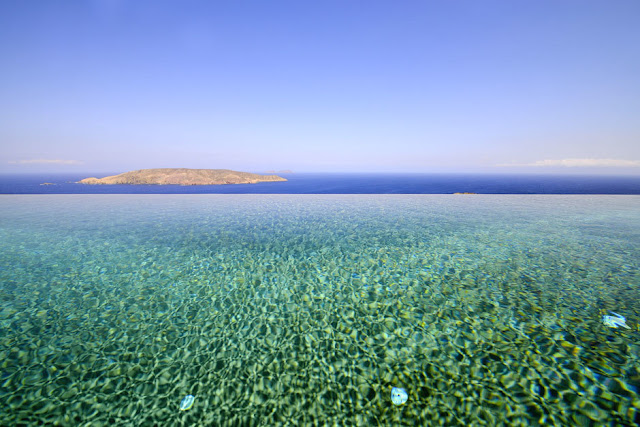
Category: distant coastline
[182,176]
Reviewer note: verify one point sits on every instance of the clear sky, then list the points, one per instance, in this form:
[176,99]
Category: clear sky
[333,85]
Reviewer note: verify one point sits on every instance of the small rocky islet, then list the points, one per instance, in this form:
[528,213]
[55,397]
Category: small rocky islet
[182,176]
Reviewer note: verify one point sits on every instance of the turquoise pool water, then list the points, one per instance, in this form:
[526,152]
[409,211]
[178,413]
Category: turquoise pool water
[303,309]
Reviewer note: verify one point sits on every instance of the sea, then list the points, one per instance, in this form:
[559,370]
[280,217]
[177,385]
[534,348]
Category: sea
[342,183]
[330,305]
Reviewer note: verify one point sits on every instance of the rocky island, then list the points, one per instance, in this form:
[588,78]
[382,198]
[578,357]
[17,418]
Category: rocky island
[182,176]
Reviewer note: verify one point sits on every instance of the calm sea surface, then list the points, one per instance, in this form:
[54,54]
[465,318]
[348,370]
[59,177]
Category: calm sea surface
[344,184]
[309,309]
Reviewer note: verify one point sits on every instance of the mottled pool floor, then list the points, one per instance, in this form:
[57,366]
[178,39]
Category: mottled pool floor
[302,310]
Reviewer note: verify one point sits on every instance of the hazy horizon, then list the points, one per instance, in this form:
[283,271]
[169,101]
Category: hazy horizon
[417,87]
[582,172]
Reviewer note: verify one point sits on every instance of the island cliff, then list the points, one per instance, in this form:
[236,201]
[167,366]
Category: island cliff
[182,176]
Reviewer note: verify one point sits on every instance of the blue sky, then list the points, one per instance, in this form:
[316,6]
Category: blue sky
[541,86]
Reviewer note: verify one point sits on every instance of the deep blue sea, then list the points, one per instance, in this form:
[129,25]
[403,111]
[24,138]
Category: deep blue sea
[333,183]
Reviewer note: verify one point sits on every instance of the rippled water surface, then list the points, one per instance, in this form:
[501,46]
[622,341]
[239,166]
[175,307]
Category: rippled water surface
[303,309]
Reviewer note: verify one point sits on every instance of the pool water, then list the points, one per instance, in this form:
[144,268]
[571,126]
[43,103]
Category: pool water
[310,309]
